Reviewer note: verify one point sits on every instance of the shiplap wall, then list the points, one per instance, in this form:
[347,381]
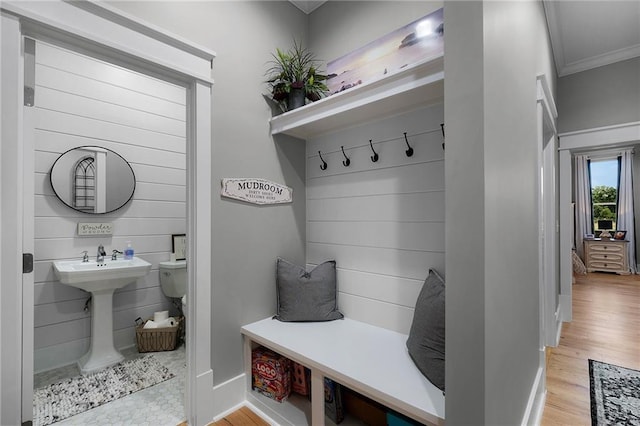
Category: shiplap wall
[84,101]
[382,222]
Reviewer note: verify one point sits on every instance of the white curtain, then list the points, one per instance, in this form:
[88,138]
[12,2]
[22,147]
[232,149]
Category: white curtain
[584,222]
[625,221]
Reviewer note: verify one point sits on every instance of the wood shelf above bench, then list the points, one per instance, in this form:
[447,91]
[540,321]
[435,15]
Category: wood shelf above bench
[416,85]
[370,360]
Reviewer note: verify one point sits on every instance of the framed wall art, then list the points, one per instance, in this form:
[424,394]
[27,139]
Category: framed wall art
[419,41]
[619,235]
[179,246]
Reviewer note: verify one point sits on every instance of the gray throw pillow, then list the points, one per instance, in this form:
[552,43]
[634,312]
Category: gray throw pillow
[307,296]
[426,338]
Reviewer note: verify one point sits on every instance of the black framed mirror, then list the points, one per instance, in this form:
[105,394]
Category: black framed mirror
[92,179]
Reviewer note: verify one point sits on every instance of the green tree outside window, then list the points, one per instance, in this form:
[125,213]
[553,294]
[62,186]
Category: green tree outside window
[605,200]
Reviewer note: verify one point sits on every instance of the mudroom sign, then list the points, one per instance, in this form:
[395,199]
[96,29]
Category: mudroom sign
[256,191]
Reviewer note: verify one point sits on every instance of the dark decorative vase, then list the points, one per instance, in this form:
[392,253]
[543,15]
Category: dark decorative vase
[295,99]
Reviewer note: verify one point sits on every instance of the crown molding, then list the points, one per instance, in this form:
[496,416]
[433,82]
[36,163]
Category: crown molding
[307,6]
[600,60]
[557,46]
[554,34]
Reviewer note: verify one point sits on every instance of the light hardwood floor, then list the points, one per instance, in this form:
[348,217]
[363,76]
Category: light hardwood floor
[605,327]
[242,417]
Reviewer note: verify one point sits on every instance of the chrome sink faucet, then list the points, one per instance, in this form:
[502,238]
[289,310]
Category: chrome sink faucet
[101,254]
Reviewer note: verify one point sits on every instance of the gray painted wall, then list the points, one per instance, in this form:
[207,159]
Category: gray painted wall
[339,27]
[512,324]
[246,239]
[491,228]
[492,282]
[600,97]
[464,213]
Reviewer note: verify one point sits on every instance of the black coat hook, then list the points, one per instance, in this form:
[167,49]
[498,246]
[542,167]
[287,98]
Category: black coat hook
[323,166]
[409,151]
[346,161]
[442,128]
[375,156]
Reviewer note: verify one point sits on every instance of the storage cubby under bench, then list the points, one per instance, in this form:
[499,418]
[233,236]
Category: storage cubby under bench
[370,360]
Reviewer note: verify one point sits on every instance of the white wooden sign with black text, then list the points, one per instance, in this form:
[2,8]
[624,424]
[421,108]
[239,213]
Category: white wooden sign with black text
[256,191]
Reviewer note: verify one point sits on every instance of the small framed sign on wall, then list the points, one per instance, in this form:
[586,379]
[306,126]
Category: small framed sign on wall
[256,191]
[179,246]
[105,228]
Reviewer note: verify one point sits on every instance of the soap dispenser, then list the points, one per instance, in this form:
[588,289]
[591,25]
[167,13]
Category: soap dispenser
[128,252]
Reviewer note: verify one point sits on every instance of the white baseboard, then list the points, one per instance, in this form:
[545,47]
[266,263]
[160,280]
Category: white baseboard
[204,395]
[558,325]
[276,418]
[537,396]
[260,413]
[252,407]
[231,396]
[536,418]
[558,332]
[228,396]
[233,409]
[565,307]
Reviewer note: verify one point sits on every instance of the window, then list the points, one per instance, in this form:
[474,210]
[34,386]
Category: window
[84,185]
[604,194]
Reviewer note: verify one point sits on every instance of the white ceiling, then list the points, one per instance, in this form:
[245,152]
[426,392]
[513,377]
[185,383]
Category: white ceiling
[590,34]
[584,34]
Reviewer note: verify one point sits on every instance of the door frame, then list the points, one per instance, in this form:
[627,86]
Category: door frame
[548,226]
[618,135]
[28,231]
[11,222]
[99,27]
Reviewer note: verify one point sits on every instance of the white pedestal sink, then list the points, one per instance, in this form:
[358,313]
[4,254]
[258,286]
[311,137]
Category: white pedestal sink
[101,280]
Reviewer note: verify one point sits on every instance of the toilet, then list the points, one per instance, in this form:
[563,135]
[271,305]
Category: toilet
[173,280]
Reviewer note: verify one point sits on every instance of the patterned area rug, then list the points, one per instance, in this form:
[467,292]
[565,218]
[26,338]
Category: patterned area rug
[67,398]
[615,394]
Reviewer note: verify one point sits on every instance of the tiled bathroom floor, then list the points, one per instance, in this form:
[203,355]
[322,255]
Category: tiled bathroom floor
[159,405]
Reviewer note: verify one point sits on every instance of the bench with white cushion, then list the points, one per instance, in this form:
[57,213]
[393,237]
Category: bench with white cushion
[370,360]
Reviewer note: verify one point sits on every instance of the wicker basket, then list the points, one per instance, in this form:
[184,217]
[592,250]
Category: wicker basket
[159,339]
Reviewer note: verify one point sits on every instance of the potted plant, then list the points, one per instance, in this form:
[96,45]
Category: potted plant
[293,76]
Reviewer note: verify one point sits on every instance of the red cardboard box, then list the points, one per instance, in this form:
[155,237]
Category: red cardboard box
[301,379]
[271,374]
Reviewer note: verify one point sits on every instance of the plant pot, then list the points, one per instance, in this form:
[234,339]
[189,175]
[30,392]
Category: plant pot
[295,99]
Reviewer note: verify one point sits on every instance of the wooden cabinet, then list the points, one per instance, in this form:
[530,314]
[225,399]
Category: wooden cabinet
[606,256]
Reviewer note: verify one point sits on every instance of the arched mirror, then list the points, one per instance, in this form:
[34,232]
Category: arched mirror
[92,179]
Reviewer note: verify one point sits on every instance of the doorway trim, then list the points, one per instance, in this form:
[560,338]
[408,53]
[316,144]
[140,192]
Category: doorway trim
[550,316]
[100,27]
[618,135]
[546,167]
